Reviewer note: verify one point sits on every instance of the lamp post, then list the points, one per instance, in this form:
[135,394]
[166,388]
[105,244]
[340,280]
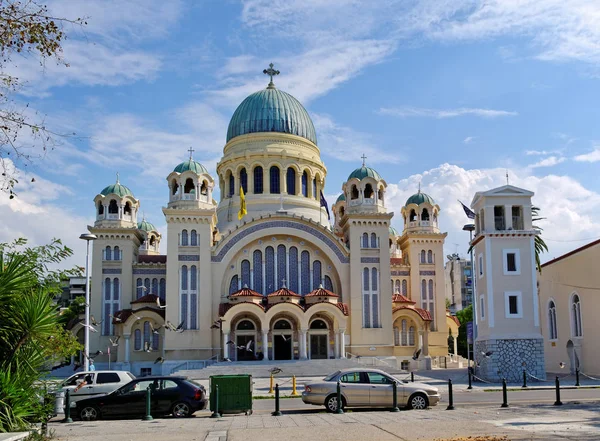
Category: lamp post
[470,228]
[86,359]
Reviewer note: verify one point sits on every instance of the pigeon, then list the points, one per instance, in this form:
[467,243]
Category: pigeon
[561,365]
[275,371]
[180,328]
[76,366]
[227,360]
[230,343]
[114,342]
[154,330]
[285,338]
[98,352]
[116,319]
[159,360]
[217,324]
[169,326]
[159,305]
[91,328]
[487,354]
[249,346]
[417,354]
[94,322]
[147,346]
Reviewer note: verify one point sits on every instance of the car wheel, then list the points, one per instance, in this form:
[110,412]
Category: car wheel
[331,403]
[418,401]
[182,410]
[89,413]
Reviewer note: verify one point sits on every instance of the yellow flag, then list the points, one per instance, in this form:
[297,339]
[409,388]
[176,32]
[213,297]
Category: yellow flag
[243,210]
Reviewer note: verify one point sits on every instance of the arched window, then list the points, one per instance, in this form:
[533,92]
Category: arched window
[184,277]
[291,181]
[413,216]
[316,274]
[152,241]
[147,334]
[127,209]
[189,186]
[155,341]
[404,333]
[365,240]
[380,194]
[270,270]
[274,180]
[425,214]
[354,192]
[116,289]
[258,272]
[374,279]
[374,298]
[245,273]
[314,189]
[193,238]
[342,212]
[146,285]
[366,279]
[374,240]
[368,193]
[154,286]
[100,208]
[305,184]
[184,238]
[404,288]
[139,287]
[245,325]
[108,253]
[396,336]
[162,291]
[137,340]
[429,256]
[423,256]
[576,313]
[305,272]
[204,189]
[424,294]
[174,186]
[233,284]
[258,179]
[318,324]
[328,285]
[244,180]
[282,324]
[281,264]
[411,336]
[397,287]
[431,305]
[231,184]
[552,331]
[113,208]
[193,278]
[293,285]
[116,253]
[366,299]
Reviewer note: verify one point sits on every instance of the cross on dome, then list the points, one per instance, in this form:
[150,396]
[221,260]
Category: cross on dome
[118,178]
[191,150]
[271,72]
[283,283]
[364,158]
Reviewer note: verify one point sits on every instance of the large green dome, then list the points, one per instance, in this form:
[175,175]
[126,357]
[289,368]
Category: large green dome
[146,226]
[340,198]
[192,165]
[271,110]
[419,198]
[393,231]
[118,189]
[363,172]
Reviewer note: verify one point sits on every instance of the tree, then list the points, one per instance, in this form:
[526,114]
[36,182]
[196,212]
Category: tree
[26,29]
[540,245]
[464,316]
[31,336]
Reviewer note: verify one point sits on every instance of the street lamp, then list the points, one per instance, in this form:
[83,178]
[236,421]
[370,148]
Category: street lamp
[86,359]
[470,228]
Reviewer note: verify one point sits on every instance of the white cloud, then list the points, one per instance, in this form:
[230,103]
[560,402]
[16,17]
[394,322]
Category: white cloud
[469,139]
[549,162]
[564,202]
[540,152]
[593,156]
[407,112]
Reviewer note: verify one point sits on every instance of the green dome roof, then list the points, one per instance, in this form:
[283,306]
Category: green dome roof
[271,110]
[146,226]
[340,198]
[118,189]
[192,165]
[363,172]
[393,231]
[419,198]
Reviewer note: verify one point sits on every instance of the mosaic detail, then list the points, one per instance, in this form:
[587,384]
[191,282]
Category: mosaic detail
[400,273]
[111,270]
[188,258]
[151,272]
[369,260]
[509,359]
[282,224]
[427,273]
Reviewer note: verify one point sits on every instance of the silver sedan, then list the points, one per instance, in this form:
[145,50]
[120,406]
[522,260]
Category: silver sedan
[368,388]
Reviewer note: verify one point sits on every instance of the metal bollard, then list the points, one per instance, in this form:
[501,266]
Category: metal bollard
[504,394]
[395,397]
[557,402]
[450,396]
[294,391]
[148,416]
[339,398]
[524,379]
[216,413]
[277,411]
[412,377]
[470,380]
[271,384]
[577,377]
[68,418]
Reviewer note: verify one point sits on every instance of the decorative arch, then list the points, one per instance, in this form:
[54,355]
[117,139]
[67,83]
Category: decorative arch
[575,313]
[552,325]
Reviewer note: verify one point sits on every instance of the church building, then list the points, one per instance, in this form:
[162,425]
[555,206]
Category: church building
[263,273]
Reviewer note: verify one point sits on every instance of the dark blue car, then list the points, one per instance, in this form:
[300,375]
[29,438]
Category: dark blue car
[169,395]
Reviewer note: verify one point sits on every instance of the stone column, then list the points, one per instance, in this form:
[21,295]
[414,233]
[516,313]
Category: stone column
[342,343]
[455,337]
[283,181]
[225,345]
[265,344]
[126,336]
[303,344]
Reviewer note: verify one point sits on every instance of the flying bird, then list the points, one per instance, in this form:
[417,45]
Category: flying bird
[181,327]
[169,326]
[561,365]
[114,342]
[217,324]
[159,360]
[487,354]
[94,322]
[275,371]
[159,305]
[285,338]
[147,346]
[116,319]
[417,354]
[154,330]
[91,328]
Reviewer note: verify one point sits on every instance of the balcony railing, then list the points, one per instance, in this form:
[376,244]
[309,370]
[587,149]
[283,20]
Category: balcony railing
[499,223]
[517,223]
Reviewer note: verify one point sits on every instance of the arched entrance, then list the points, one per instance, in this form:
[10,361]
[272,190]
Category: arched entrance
[245,340]
[318,341]
[283,344]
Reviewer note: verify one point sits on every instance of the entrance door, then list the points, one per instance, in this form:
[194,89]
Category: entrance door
[245,347]
[283,346]
[318,346]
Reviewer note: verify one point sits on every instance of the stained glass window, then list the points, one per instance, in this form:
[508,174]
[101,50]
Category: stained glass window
[374,279]
[316,274]
[184,309]
[373,240]
[365,240]
[184,277]
[231,185]
[155,342]
[163,289]
[245,273]
[154,287]
[107,254]
[274,180]
[146,285]
[257,269]
[291,181]
[366,279]
[244,180]
[314,188]
[270,269]
[137,340]
[293,269]
[193,278]
[281,264]
[258,180]
[233,285]
[193,311]
[146,333]
[184,238]
[375,300]
[305,272]
[404,287]
[139,289]
[404,333]
[305,184]
[117,254]
[328,284]
[366,311]
[193,238]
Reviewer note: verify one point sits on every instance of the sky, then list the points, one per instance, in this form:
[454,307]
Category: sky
[449,94]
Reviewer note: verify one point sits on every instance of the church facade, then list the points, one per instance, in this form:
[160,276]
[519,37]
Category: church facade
[263,273]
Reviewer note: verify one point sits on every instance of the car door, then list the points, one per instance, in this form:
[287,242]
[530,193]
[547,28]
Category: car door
[166,395]
[85,389]
[131,399]
[355,387]
[381,391]
[106,382]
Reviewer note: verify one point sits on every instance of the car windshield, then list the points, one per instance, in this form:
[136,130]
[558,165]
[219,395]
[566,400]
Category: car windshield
[331,376]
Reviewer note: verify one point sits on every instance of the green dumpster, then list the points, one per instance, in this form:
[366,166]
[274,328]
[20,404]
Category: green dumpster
[235,393]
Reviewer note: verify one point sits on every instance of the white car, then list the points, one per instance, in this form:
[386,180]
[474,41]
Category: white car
[87,384]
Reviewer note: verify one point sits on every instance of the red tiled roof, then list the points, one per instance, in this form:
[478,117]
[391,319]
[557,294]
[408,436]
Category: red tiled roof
[245,292]
[148,298]
[399,298]
[453,317]
[143,258]
[321,292]
[424,314]
[224,307]
[395,260]
[284,292]
[344,308]
[570,253]
[124,314]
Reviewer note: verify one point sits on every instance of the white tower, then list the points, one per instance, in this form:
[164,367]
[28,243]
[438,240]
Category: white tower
[509,339]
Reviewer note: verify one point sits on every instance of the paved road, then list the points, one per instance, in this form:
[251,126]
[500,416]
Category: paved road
[461,398]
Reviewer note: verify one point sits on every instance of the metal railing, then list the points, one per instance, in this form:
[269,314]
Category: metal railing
[370,361]
[195,364]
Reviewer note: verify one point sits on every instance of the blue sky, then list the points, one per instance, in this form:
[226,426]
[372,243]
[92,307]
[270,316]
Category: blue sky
[449,93]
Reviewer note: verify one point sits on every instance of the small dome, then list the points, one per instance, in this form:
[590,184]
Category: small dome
[118,189]
[341,198]
[192,165]
[419,198]
[363,172]
[271,110]
[146,226]
[393,231]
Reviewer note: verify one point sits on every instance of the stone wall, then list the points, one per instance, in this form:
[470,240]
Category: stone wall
[509,358]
